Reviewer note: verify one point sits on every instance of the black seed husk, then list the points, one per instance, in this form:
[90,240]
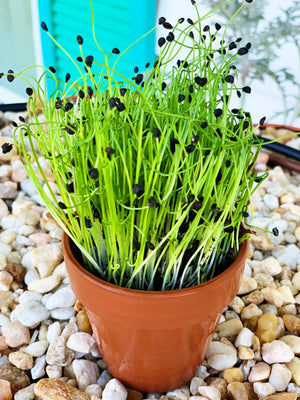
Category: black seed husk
[6,147]
[163,86]
[94,173]
[204,125]
[191,34]
[229,78]
[161,41]
[52,69]
[68,106]
[170,37]
[161,20]
[206,28]
[10,77]
[29,91]
[200,81]
[68,76]
[181,20]
[262,121]
[247,89]
[79,40]
[89,61]
[44,26]
[195,139]
[218,112]
[189,148]
[115,50]
[167,25]
[123,91]
[14,124]
[181,98]
[22,119]
[87,222]
[242,51]
[275,231]
[218,26]
[137,190]
[70,187]
[151,202]
[156,132]
[190,21]
[62,205]
[120,107]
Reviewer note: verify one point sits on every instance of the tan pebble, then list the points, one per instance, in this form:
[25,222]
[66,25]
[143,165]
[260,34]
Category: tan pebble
[233,375]
[6,280]
[83,322]
[287,198]
[293,341]
[251,323]
[256,297]
[238,391]
[296,277]
[220,384]
[16,270]
[55,389]
[267,328]
[281,396]
[280,328]
[292,323]
[245,353]
[226,341]
[17,378]
[230,328]
[271,266]
[5,390]
[264,280]
[21,360]
[261,241]
[237,304]
[250,311]
[294,209]
[209,392]
[287,295]
[78,306]
[260,372]
[3,344]
[247,286]
[294,367]
[134,395]
[287,309]
[272,296]
[45,259]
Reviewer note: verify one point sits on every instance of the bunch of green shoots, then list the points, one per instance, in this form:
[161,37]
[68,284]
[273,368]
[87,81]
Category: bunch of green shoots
[155,173]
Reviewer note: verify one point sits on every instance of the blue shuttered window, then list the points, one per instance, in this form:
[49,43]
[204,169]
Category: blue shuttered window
[117,24]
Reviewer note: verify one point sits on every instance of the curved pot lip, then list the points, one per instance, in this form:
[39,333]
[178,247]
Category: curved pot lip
[85,274]
[279,126]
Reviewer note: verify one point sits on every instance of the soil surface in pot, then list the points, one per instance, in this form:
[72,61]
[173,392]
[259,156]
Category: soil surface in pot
[46,344]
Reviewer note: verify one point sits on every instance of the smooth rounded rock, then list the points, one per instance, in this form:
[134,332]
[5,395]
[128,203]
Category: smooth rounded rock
[259,372]
[31,313]
[267,328]
[293,342]
[21,360]
[277,352]
[44,285]
[15,334]
[63,297]
[294,367]
[56,389]
[81,341]
[263,388]
[114,390]
[86,373]
[233,375]
[244,338]
[247,286]
[230,328]
[280,377]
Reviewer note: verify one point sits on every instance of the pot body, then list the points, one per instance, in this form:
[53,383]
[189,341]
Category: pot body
[153,341]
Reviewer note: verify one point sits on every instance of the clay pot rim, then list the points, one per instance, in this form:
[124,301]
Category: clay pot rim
[85,274]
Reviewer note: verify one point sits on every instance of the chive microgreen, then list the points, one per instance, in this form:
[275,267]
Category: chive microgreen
[154,172]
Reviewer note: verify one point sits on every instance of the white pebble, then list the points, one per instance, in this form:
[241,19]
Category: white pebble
[62,313]
[271,266]
[277,352]
[280,377]
[37,349]
[30,313]
[114,390]
[81,341]
[271,201]
[38,370]
[62,298]
[244,338]
[263,389]
[53,332]
[86,373]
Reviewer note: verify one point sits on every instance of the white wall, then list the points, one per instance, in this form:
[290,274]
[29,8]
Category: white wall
[265,99]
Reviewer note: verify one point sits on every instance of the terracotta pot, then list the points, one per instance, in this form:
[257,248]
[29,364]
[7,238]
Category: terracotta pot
[153,341]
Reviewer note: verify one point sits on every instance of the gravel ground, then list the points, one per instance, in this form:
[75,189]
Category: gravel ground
[47,350]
